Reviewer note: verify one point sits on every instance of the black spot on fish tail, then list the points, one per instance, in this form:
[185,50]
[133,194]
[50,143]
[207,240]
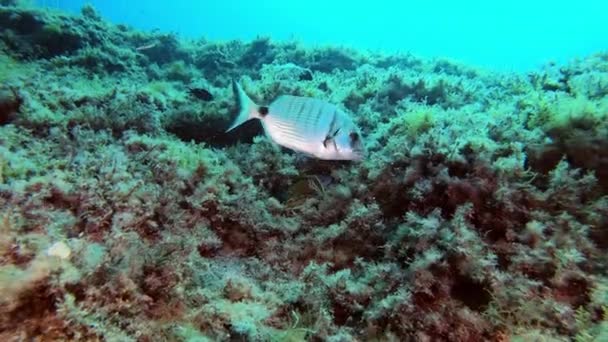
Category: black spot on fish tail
[263,110]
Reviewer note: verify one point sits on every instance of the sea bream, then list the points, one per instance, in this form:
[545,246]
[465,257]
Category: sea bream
[304,124]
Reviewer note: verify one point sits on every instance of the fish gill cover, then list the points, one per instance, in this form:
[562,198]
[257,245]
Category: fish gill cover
[127,214]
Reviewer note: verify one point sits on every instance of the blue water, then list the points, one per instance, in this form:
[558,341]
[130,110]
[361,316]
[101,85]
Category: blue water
[513,35]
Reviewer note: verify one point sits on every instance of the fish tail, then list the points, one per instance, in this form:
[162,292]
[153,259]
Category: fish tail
[247,108]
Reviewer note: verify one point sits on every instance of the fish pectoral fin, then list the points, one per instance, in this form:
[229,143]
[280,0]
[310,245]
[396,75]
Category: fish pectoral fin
[330,137]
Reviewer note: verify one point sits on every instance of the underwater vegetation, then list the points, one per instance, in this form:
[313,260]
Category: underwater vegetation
[480,212]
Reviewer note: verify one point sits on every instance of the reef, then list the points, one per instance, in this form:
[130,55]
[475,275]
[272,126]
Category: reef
[127,214]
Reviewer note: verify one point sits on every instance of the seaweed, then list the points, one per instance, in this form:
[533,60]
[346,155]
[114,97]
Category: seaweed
[479,213]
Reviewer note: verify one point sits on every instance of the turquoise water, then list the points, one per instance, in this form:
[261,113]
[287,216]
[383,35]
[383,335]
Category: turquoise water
[359,197]
[513,35]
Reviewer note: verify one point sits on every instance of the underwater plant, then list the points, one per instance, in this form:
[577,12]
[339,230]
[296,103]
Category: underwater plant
[479,213]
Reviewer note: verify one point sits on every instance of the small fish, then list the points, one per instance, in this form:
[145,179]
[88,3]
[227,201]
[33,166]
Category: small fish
[201,94]
[304,124]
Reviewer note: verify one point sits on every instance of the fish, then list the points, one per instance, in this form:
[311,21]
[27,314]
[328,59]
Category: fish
[307,125]
[201,94]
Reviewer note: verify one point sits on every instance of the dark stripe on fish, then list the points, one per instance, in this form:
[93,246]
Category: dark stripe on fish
[319,112]
[292,106]
[332,132]
[334,118]
[302,110]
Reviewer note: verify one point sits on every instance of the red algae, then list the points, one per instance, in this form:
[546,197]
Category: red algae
[479,213]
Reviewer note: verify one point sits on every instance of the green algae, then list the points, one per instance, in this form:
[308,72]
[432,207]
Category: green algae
[482,204]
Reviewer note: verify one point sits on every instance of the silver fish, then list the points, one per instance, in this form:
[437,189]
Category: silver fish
[304,124]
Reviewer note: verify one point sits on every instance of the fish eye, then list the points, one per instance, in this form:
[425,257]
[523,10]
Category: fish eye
[354,136]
